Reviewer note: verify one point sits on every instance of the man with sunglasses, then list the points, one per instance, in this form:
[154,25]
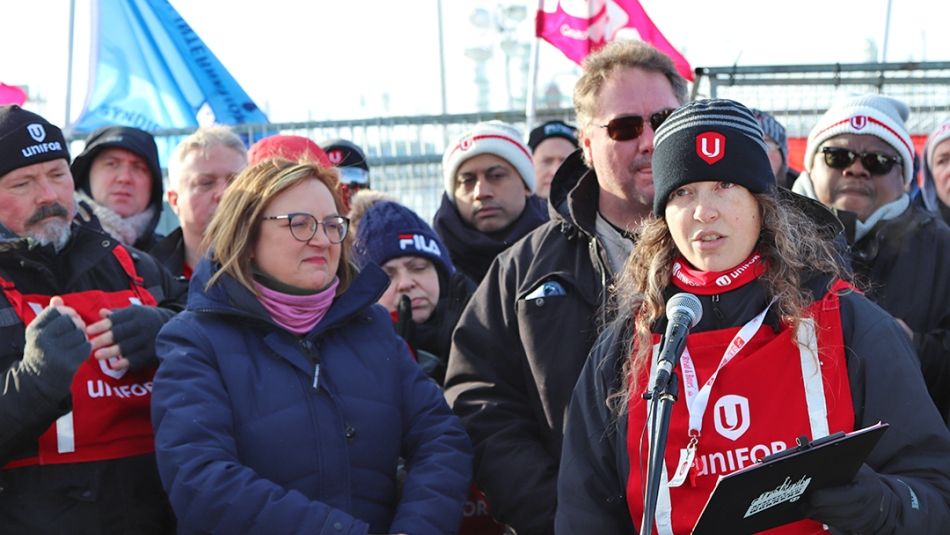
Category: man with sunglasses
[523,339]
[859,161]
[350,160]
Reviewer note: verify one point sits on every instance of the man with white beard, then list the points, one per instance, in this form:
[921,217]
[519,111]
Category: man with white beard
[78,318]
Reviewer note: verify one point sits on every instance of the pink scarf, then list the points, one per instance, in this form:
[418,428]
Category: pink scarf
[297,313]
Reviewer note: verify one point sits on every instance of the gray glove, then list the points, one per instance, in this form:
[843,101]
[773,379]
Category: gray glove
[55,348]
[134,329]
[862,506]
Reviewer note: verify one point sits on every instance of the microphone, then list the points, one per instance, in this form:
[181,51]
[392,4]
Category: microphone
[683,312]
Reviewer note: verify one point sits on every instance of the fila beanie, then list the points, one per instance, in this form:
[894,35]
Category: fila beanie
[26,139]
[390,230]
[493,137]
[709,140]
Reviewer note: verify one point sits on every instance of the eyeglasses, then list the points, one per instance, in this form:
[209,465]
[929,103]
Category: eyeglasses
[303,227]
[875,163]
[631,126]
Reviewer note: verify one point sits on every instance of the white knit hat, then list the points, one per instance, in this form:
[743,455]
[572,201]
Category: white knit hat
[876,115]
[938,136]
[493,137]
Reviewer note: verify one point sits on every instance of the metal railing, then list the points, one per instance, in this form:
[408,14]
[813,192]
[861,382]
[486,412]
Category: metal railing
[405,153]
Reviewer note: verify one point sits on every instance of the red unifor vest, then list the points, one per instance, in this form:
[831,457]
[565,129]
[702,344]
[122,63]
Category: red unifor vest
[110,409]
[770,393]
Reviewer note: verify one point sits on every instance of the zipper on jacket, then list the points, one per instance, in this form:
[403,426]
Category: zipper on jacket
[314,354]
[716,310]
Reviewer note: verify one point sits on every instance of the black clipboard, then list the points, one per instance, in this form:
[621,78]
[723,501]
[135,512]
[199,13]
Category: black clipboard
[768,493]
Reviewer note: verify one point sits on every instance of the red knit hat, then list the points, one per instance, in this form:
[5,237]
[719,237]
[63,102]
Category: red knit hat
[289,147]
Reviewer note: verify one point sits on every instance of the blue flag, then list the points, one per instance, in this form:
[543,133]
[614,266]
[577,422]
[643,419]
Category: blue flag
[150,70]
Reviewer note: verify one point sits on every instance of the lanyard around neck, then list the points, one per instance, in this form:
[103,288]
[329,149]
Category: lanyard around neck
[697,398]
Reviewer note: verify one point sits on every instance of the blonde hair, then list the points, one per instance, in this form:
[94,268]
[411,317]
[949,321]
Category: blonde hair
[789,241]
[201,140]
[235,226]
[599,65]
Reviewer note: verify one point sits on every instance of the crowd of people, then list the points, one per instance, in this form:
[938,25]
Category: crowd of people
[307,354]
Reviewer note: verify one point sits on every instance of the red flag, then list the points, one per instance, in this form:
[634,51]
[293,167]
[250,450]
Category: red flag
[578,27]
[11,94]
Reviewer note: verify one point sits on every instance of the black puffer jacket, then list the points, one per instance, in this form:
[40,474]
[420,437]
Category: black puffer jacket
[516,353]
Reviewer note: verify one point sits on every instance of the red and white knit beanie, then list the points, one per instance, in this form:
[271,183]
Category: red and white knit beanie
[493,137]
[875,115]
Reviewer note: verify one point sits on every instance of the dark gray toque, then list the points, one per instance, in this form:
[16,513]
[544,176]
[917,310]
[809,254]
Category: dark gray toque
[709,140]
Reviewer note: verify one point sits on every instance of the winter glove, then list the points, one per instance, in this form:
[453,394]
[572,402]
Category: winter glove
[134,330]
[861,506]
[55,348]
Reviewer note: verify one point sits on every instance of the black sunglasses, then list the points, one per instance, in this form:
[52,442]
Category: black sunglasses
[875,163]
[631,126]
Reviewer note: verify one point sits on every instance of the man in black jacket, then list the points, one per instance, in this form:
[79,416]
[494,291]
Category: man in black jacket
[78,318]
[489,200]
[118,175]
[524,337]
[858,161]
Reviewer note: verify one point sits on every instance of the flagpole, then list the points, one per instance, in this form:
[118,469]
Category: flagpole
[530,107]
[445,107]
[887,31]
[69,60]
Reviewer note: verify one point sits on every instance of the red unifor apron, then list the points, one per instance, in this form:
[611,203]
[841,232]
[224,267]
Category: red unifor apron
[768,391]
[110,408]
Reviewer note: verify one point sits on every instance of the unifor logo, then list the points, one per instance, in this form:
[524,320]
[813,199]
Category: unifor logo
[467,142]
[711,146]
[725,280]
[858,122]
[106,368]
[36,131]
[336,156]
[731,416]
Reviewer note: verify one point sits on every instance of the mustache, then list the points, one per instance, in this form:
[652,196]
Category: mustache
[640,162]
[49,210]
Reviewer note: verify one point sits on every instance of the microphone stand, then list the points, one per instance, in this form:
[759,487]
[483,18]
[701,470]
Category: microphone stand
[661,406]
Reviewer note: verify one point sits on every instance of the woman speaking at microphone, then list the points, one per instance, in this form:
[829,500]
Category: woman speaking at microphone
[784,348]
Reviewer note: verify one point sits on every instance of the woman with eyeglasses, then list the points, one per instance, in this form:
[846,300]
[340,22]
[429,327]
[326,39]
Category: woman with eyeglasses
[783,347]
[284,398]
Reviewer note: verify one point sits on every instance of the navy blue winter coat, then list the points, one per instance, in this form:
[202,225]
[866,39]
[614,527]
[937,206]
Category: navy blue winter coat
[250,439]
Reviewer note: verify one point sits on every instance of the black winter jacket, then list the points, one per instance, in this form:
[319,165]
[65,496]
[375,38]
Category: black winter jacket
[912,458]
[472,250]
[33,499]
[170,252]
[905,264]
[517,352]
